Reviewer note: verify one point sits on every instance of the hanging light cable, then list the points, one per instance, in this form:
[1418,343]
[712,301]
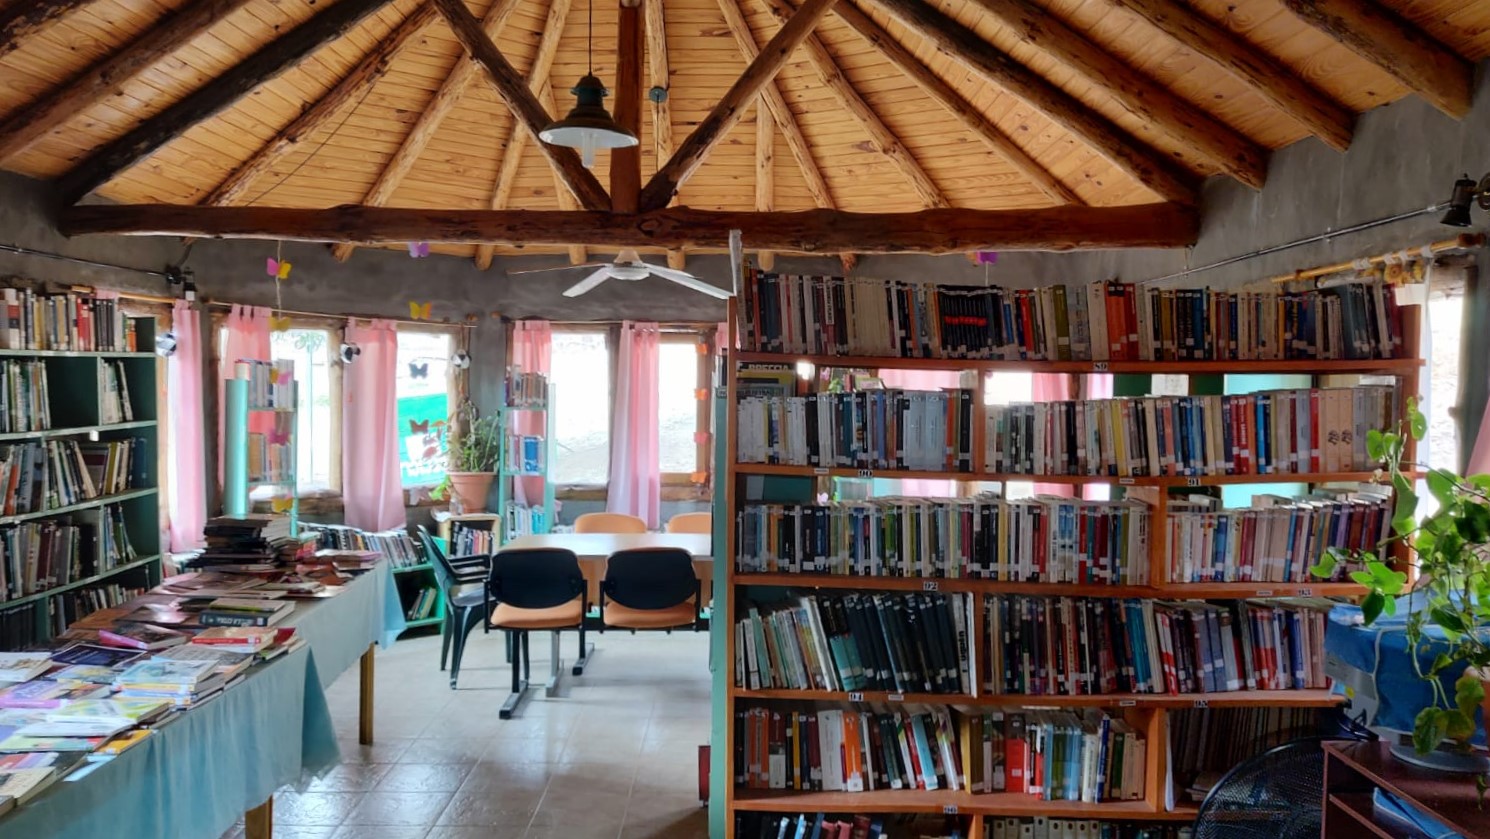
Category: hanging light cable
[589,125]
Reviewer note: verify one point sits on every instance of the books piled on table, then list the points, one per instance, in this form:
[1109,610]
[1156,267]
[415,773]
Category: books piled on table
[1054,755]
[40,555]
[752,825]
[471,541]
[847,750]
[271,386]
[249,612]
[1277,539]
[526,390]
[64,321]
[258,542]
[141,636]
[113,382]
[25,776]
[867,429]
[24,400]
[96,718]
[116,465]
[394,544]
[339,561]
[1044,827]
[904,643]
[183,683]
[1100,321]
[22,667]
[85,601]
[44,475]
[1068,646]
[77,659]
[1271,432]
[50,693]
[524,454]
[524,520]
[1045,539]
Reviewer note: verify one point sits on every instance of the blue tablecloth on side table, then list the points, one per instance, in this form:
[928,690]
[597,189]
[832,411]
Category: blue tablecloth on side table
[340,629]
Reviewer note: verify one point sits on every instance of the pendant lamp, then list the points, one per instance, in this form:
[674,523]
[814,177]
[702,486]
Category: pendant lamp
[588,126]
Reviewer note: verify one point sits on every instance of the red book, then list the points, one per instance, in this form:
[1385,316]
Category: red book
[1016,756]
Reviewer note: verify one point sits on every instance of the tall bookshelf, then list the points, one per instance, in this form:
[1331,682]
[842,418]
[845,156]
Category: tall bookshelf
[79,386]
[517,405]
[1146,712]
[243,403]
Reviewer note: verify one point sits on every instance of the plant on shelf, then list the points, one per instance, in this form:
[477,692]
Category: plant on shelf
[474,454]
[1452,620]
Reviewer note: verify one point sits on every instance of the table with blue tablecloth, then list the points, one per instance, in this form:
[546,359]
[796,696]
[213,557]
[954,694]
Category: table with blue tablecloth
[205,768]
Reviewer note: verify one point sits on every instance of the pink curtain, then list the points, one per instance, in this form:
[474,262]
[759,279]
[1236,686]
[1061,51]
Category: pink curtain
[635,472]
[188,473]
[532,347]
[923,380]
[1479,458]
[371,486]
[247,337]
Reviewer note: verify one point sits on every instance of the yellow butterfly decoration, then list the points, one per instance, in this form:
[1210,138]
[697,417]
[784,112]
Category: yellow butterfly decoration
[273,375]
[279,323]
[420,311]
[282,505]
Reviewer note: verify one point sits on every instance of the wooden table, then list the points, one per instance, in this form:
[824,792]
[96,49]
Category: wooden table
[593,549]
[1352,771]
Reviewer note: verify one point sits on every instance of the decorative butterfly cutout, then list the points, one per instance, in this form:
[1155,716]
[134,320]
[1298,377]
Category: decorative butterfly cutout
[419,250]
[282,505]
[277,269]
[274,375]
[420,311]
[279,437]
[419,371]
[279,323]
[988,257]
[418,427]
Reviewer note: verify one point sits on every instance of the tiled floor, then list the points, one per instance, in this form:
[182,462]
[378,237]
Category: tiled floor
[615,756]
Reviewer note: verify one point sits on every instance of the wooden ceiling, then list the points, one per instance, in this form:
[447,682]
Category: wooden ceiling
[887,106]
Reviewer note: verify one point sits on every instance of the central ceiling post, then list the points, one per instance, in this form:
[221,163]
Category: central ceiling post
[626,163]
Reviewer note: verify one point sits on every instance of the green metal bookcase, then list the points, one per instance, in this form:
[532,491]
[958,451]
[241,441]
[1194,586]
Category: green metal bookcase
[507,476]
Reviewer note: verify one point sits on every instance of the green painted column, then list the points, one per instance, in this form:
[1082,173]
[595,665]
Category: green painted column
[719,747]
[235,448]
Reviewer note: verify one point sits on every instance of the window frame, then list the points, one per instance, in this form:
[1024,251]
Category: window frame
[455,388]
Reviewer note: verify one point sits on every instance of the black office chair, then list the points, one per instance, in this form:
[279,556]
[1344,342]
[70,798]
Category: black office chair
[536,590]
[650,589]
[464,606]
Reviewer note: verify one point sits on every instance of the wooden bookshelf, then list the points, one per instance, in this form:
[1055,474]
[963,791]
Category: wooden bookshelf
[1148,713]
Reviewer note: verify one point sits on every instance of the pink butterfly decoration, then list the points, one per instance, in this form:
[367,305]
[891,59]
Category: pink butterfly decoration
[277,269]
[988,257]
[419,250]
[279,437]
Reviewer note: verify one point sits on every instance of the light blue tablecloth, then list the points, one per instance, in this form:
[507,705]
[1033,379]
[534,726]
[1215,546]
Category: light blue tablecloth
[339,630]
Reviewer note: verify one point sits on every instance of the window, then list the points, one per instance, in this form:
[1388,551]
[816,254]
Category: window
[581,378]
[317,425]
[677,404]
[423,391]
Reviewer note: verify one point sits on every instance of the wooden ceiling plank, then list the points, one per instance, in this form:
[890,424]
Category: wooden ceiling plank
[968,114]
[216,96]
[1281,87]
[852,101]
[659,76]
[1148,166]
[513,88]
[457,80]
[786,121]
[765,170]
[957,230]
[28,124]
[1410,55]
[1140,95]
[20,18]
[626,162]
[351,86]
[731,107]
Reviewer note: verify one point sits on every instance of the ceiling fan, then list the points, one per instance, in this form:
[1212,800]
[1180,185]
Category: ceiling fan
[630,268]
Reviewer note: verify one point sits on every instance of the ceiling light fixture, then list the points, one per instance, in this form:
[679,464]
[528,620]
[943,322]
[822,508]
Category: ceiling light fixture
[589,126]
[1466,192]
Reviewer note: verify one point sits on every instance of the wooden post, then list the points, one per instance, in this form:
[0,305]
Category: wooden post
[258,823]
[626,163]
[365,699]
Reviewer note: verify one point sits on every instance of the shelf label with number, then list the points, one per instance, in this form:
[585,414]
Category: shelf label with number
[866,473]
[949,809]
[721,392]
[855,696]
[1127,703]
[1192,482]
[1306,592]
[895,697]
[1202,703]
[931,585]
[820,470]
[1099,367]
[1127,482]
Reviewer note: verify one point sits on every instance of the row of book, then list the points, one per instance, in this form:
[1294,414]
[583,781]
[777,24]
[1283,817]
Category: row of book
[1044,827]
[1045,539]
[49,474]
[64,321]
[471,541]
[525,520]
[1054,755]
[1100,321]
[1277,539]
[41,555]
[873,429]
[115,547]
[906,643]
[1068,646]
[526,390]
[751,825]
[423,605]
[1271,432]
[80,603]
[113,390]
[25,402]
[270,462]
[394,544]
[1207,742]
[525,454]
[271,385]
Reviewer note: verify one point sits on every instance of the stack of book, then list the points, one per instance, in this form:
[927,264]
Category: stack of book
[67,321]
[183,683]
[396,545]
[22,667]
[526,390]
[1097,321]
[95,718]
[40,555]
[113,387]
[904,643]
[340,561]
[1046,539]
[258,542]
[24,402]
[1042,646]
[867,429]
[134,635]
[245,611]
[1054,755]
[271,386]
[23,776]
[1272,432]
[47,693]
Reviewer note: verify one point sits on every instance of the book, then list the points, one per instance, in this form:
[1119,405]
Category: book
[253,638]
[226,611]
[870,429]
[159,671]
[77,656]
[98,717]
[22,667]
[47,693]
[22,785]
[141,636]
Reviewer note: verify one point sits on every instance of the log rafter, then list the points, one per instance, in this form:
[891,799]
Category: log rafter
[659,76]
[765,170]
[20,18]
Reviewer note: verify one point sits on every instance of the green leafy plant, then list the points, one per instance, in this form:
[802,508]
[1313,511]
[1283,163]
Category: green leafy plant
[1452,550]
[474,445]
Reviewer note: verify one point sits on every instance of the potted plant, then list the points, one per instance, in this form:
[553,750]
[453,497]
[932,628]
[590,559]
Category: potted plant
[472,460]
[1449,616]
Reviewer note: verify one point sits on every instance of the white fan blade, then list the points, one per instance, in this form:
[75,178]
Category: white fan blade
[556,268]
[690,281]
[588,283]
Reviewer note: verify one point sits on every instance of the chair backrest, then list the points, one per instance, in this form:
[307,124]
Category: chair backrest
[444,572]
[691,523]
[650,578]
[537,578]
[609,523]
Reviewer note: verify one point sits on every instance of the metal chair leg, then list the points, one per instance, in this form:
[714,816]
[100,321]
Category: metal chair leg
[519,682]
[446,630]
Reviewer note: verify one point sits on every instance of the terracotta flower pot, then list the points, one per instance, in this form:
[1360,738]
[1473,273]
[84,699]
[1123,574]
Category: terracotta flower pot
[470,489]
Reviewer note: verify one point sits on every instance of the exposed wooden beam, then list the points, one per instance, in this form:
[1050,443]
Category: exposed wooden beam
[1156,106]
[1167,225]
[1148,166]
[457,79]
[879,133]
[765,170]
[786,121]
[966,112]
[659,76]
[677,259]
[20,18]
[626,163]
[727,112]
[205,102]
[1410,55]
[40,116]
[512,156]
[372,67]
[512,87]
[1247,63]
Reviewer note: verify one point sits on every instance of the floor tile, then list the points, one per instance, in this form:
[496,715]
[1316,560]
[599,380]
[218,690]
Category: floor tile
[399,808]
[467,832]
[496,808]
[424,777]
[314,809]
[379,831]
[350,777]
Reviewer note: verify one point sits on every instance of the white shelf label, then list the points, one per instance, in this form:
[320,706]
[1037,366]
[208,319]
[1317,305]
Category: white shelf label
[866,473]
[895,697]
[855,696]
[931,585]
[820,470]
[949,809]
[1127,703]
[1192,482]
[1099,367]
[1306,592]
[721,393]
[1202,703]
[1127,482]
[1264,592]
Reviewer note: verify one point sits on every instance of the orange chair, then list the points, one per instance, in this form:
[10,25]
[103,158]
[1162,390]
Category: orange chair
[536,590]
[609,523]
[650,589]
[691,523]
